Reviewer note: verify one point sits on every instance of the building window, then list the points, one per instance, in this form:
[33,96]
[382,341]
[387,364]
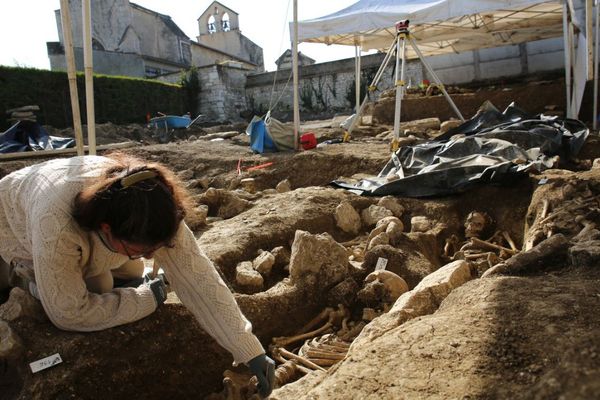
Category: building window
[225,22]
[212,28]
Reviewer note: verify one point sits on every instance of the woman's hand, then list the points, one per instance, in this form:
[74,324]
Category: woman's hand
[264,370]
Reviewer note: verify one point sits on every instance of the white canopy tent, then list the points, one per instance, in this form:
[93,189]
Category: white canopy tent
[452,26]
[439,26]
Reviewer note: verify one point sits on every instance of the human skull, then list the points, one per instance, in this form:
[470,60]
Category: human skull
[476,223]
[382,287]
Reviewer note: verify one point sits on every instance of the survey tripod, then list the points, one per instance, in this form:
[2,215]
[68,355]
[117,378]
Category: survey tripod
[398,48]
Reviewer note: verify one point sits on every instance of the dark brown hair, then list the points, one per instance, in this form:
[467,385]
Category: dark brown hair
[147,212]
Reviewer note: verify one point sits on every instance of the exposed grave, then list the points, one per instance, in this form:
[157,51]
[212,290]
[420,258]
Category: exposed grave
[476,289]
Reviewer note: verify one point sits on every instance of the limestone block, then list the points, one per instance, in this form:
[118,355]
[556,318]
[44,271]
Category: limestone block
[283,186]
[197,217]
[11,346]
[246,275]
[264,263]
[381,239]
[422,124]
[282,256]
[408,306]
[394,231]
[376,231]
[346,218]
[186,175]
[445,279]
[450,124]
[392,204]
[420,224]
[382,226]
[384,222]
[317,258]
[422,300]
[372,215]
[204,182]
[21,304]
[233,206]
[596,163]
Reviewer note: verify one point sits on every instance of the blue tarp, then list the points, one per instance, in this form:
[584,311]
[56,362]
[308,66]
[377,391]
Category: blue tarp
[260,139]
[31,136]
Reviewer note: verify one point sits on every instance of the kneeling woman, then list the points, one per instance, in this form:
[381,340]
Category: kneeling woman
[69,227]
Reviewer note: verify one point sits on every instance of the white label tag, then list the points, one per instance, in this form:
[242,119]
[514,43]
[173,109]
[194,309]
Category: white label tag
[381,263]
[44,363]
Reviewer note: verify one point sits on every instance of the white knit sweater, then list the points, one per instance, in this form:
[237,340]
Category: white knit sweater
[36,224]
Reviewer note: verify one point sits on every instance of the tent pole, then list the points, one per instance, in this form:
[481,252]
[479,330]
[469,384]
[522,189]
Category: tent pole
[399,83]
[436,79]
[589,11]
[89,78]
[574,83]
[595,113]
[567,51]
[357,51]
[295,70]
[65,15]
[373,86]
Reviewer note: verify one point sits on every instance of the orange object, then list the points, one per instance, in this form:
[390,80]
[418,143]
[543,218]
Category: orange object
[265,165]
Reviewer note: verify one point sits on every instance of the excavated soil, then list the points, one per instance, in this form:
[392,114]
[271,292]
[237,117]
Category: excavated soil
[533,336]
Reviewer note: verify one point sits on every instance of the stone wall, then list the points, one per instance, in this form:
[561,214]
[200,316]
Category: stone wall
[222,93]
[236,44]
[499,62]
[328,88]
[105,62]
[323,88]
[122,31]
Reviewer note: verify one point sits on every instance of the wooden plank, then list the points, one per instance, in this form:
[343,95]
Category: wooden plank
[50,153]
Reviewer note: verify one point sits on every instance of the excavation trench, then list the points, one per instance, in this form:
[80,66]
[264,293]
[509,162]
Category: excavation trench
[167,353]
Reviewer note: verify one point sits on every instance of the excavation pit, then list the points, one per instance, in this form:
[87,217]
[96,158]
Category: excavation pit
[168,355]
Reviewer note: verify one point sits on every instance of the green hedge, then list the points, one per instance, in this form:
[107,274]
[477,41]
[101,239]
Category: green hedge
[117,99]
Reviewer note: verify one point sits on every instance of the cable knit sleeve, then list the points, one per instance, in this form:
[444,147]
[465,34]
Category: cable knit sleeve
[63,292]
[201,289]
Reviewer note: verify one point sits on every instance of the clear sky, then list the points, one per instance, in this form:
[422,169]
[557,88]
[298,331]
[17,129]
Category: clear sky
[26,26]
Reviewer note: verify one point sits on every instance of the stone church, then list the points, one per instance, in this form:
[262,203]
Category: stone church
[131,40]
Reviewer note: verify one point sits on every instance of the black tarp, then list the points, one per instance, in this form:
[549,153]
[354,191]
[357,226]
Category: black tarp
[31,136]
[492,147]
